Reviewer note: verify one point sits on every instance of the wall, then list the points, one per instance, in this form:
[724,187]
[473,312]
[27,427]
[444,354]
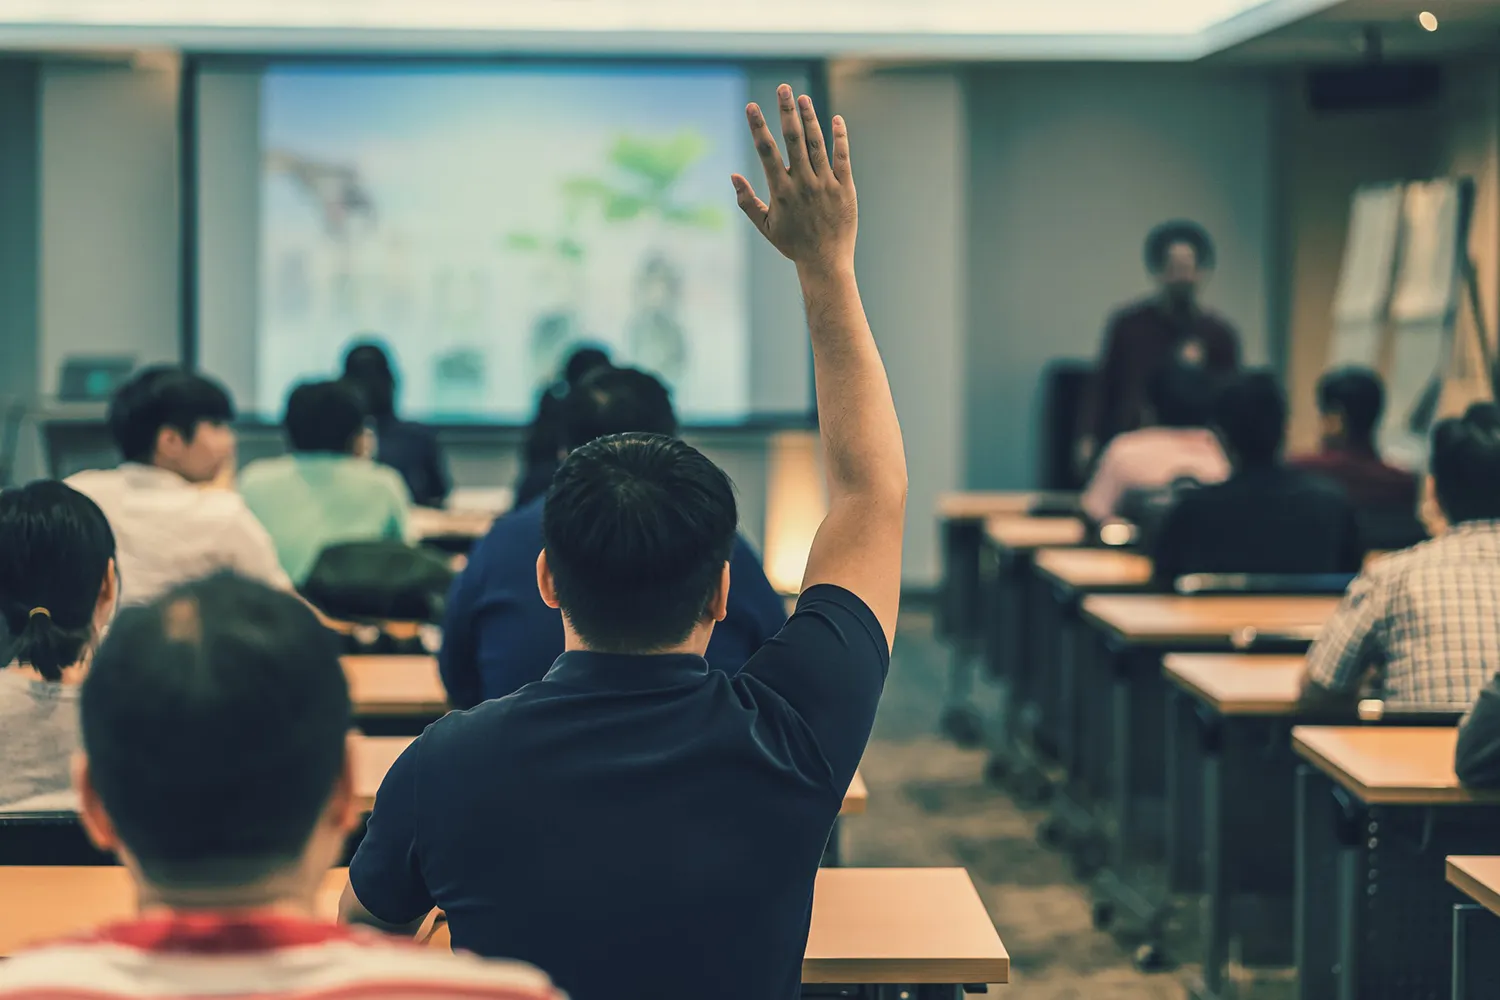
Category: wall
[18,252]
[1069,167]
[109,246]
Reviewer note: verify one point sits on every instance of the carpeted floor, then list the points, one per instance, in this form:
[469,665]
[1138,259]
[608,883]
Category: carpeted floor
[929,805]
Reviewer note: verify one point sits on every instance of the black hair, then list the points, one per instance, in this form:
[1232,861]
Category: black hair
[55,551]
[1181,395]
[1250,415]
[324,417]
[368,368]
[214,719]
[159,397]
[617,401]
[637,529]
[1160,240]
[1358,395]
[1466,464]
[583,362]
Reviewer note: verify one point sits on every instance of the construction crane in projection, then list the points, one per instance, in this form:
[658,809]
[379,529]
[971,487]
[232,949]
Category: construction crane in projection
[336,188]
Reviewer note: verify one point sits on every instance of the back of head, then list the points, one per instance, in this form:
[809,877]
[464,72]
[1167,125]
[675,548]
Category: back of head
[617,401]
[214,720]
[637,529]
[582,363]
[1181,395]
[368,368]
[1466,464]
[160,397]
[1250,415]
[324,417]
[55,550]
[1356,395]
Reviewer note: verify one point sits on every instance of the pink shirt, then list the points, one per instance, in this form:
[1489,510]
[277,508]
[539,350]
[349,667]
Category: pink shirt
[1152,458]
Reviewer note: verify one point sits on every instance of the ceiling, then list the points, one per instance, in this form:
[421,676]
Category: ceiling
[934,29]
[1339,32]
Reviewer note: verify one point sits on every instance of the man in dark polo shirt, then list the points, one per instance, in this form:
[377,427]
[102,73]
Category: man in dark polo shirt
[1266,517]
[635,823]
[1169,326]
[498,634]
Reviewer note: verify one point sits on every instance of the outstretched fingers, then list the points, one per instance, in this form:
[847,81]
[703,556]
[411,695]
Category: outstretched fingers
[842,169]
[817,150]
[765,148]
[791,131]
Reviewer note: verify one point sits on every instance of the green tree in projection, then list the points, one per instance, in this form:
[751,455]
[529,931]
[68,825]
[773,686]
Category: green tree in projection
[640,188]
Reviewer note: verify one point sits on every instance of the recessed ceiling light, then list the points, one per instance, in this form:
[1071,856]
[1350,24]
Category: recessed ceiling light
[1428,20]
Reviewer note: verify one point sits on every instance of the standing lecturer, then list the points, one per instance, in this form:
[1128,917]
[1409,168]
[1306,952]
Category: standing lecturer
[1169,326]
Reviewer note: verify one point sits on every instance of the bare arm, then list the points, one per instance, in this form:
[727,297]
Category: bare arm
[812,219]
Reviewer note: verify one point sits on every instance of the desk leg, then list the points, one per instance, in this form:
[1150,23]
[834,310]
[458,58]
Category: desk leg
[957,621]
[1184,774]
[1067,685]
[1476,952]
[1316,884]
[1216,874]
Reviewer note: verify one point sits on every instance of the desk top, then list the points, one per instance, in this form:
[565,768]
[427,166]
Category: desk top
[1477,878]
[43,903]
[893,925]
[973,506]
[1239,683]
[374,755]
[1389,765]
[1017,532]
[429,523]
[1234,619]
[1093,569]
[395,685]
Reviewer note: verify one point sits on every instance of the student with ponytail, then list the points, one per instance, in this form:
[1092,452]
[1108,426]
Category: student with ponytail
[58,586]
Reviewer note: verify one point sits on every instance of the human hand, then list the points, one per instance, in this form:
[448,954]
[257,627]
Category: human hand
[813,214]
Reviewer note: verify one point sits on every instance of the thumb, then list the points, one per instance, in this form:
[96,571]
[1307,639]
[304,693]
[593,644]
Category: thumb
[755,210]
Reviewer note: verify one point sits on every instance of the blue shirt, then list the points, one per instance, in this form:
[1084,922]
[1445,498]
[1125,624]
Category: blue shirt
[638,826]
[498,635]
[413,450]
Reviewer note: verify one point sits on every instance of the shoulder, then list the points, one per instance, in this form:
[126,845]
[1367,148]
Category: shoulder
[264,469]
[92,481]
[1217,323]
[1132,313]
[828,621]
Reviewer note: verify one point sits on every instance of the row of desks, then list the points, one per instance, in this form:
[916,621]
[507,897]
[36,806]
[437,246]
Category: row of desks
[1178,724]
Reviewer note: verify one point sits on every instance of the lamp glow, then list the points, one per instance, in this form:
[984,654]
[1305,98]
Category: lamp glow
[1428,20]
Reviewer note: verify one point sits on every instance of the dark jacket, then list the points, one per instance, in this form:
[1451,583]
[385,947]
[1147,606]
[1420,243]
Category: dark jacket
[413,450]
[1477,761]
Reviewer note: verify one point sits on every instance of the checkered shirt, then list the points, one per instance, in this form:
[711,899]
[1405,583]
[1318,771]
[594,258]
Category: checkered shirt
[1427,619]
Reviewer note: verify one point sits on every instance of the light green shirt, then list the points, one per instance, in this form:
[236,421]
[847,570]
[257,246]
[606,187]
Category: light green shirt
[313,500]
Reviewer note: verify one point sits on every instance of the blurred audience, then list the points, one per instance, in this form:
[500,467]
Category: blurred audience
[546,438]
[410,448]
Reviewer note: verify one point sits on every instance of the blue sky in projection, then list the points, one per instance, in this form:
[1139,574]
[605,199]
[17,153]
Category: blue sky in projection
[439,206]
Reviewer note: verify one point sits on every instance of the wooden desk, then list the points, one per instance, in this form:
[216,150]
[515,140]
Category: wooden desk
[1093,569]
[1239,683]
[42,904]
[1478,878]
[856,798]
[1232,620]
[1389,765]
[914,926]
[977,505]
[429,523]
[395,685]
[1024,534]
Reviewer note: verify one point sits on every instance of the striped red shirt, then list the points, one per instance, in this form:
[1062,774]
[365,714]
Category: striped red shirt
[257,957]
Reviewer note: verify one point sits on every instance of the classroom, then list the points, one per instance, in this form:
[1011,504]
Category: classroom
[641,498]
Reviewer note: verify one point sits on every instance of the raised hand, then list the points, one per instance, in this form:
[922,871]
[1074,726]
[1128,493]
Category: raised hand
[813,214]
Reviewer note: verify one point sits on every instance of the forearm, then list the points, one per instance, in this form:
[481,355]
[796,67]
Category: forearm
[863,453]
[352,911]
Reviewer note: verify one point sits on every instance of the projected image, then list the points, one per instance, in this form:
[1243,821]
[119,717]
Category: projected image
[485,221]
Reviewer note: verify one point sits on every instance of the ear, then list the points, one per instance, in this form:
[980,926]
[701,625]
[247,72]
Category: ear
[718,606]
[109,590]
[96,822]
[341,813]
[169,441]
[544,583]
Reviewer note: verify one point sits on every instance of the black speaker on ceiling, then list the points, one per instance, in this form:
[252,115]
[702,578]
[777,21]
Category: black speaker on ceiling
[1373,86]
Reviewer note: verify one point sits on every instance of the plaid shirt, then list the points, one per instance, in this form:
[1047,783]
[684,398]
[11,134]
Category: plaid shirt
[1426,618]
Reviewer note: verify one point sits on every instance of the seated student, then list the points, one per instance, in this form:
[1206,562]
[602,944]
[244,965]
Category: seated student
[172,427]
[498,634]
[546,438]
[327,490]
[57,593]
[1266,517]
[1350,401]
[228,799]
[409,448]
[637,823]
[1427,620]
[1177,446]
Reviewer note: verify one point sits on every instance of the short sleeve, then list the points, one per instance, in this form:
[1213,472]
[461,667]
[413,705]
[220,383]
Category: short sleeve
[385,873]
[829,664]
[1350,641]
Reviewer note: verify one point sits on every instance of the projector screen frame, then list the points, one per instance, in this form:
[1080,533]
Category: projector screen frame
[193,62]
